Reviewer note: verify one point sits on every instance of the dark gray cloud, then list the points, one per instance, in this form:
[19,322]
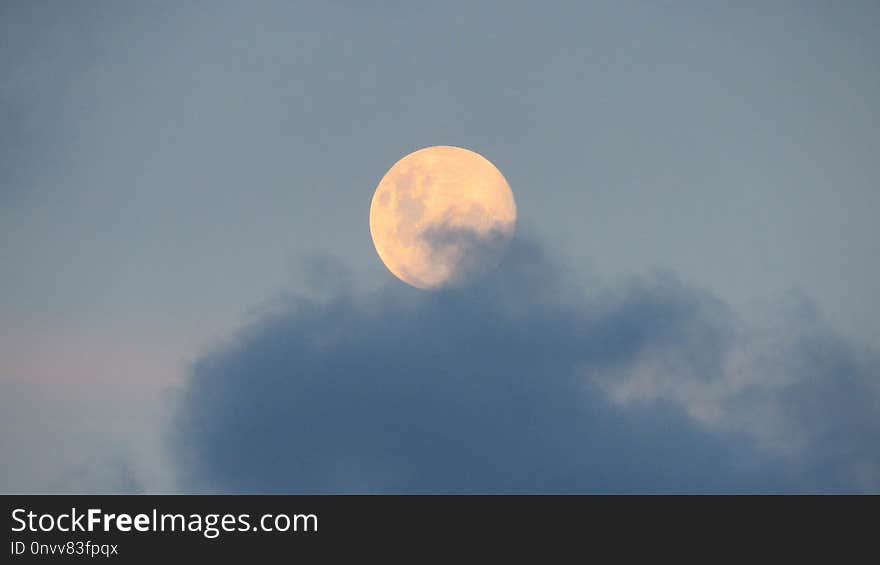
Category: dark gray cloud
[467,253]
[529,381]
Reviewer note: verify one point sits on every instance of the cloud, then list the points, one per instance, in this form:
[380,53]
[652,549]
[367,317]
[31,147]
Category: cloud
[466,254]
[794,387]
[529,380]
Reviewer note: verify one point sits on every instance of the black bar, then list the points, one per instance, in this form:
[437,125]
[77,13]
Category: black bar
[421,526]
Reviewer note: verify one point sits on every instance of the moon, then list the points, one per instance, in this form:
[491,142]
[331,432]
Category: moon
[442,216]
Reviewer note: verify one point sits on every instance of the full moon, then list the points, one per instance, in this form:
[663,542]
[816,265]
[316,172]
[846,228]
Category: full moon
[442,216]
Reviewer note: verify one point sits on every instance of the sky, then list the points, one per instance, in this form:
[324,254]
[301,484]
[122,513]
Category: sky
[191,300]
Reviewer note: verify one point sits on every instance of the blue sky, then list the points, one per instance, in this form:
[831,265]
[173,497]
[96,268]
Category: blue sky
[171,173]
